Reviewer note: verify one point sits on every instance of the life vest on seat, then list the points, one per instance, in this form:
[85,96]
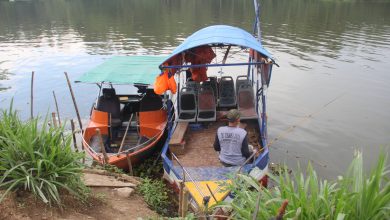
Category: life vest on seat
[200,55]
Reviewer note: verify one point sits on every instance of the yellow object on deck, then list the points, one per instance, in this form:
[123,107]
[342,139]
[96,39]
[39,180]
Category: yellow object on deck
[218,191]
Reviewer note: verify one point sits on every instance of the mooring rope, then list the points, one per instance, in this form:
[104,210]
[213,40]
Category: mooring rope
[305,118]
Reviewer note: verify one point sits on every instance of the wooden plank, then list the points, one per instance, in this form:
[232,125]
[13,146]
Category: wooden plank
[178,134]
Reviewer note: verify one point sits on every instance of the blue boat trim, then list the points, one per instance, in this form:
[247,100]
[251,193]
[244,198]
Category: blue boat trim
[206,173]
[211,65]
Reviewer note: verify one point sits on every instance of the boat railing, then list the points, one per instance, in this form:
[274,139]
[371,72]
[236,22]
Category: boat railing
[185,172]
[247,160]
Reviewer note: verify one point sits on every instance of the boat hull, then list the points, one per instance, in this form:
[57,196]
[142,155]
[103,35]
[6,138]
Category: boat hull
[153,127]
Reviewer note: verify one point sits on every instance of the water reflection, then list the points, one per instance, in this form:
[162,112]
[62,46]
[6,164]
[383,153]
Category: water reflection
[325,48]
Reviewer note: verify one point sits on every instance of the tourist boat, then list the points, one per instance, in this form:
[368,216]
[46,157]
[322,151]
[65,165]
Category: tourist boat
[125,128]
[217,68]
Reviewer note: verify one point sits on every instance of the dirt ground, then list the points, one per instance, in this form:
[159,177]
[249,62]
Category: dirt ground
[103,204]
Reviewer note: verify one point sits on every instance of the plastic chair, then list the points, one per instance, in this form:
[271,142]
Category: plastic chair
[246,101]
[187,105]
[227,95]
[193,85]
[241,80]
[213,83]
[206,104]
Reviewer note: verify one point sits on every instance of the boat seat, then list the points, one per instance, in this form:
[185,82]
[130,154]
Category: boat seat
[187,110]
[109,102]
[227,95]
[150,102]
[246,101]
[206,104]
[213,83]
[243,79]
[193,85]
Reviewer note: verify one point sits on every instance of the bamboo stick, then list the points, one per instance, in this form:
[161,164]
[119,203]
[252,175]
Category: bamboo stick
[32,95]
[124,136]
[53,117]
[102,148]
[130,165]
[74,101]
[74,135]
[215,199]
[184,207]
[211,193]
[181,188]
[58,112]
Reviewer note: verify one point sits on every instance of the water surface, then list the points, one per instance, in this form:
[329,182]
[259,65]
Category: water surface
[333,55]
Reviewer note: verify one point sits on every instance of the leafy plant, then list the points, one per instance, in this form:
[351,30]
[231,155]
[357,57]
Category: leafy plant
[353,196]
[155,195]
[37,158]
[150,168]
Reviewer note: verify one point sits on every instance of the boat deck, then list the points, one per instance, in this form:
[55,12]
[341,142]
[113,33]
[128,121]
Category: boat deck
[132,139]
[199,140]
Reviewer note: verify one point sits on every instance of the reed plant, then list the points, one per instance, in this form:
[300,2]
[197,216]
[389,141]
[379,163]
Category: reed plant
[38,159]
[352,196]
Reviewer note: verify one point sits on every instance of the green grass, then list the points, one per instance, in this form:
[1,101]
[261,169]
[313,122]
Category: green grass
[353,196]
[155,195]
[38,159]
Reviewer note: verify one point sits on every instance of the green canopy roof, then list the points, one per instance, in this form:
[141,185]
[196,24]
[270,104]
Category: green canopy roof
[125,70]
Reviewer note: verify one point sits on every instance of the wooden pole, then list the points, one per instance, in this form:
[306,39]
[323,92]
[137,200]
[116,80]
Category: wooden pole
[58,112]
[130,165]
[102,148]
[181,188]
[74,135]
[184,208]
[53,116]
[124,136]
[181,193]
[32,95]
[74,102]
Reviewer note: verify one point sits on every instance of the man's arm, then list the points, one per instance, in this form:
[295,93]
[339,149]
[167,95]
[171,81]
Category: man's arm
[244,148]
[217,147]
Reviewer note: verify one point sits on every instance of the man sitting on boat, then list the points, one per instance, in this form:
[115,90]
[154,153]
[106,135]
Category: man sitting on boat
[232,142]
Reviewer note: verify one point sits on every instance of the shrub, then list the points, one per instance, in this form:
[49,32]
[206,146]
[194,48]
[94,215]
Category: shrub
[37,158]
[155,195]
[353,196]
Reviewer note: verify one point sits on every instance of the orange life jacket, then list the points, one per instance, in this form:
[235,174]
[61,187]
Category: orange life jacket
[165,82]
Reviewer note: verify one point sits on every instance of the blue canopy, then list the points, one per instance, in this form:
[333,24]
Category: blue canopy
[220,34]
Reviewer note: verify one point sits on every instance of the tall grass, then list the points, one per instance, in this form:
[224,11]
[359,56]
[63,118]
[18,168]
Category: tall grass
[37,158]
[353,196]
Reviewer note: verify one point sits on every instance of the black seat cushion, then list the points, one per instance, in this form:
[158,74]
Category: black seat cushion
[109,102]
[187,102]
[150,102]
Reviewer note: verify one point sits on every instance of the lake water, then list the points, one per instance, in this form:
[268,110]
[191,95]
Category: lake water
[333,55]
